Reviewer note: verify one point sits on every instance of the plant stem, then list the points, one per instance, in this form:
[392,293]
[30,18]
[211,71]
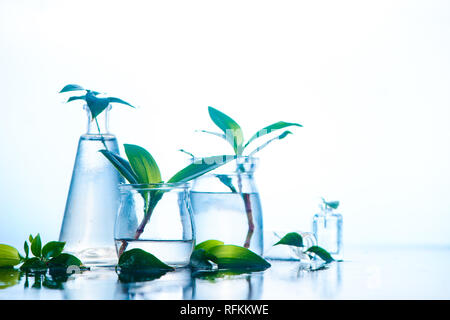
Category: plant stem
[101,136]
[248,211]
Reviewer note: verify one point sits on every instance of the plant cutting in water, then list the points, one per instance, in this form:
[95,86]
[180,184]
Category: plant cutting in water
[142,169]
[95,102]
[329,205]
[49,256]
[214,254]
[233,134]
[294,239]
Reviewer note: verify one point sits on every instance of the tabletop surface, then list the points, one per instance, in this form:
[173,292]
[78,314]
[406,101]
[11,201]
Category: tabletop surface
[365,273]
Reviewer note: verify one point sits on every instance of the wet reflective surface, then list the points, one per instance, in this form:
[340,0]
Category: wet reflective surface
[370,273]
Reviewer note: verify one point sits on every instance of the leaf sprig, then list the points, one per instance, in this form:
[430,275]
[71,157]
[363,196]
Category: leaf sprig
[233,134]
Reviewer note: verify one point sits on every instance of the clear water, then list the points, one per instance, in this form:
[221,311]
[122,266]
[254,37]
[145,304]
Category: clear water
[328,230]
[222,216]
[175,253]
[92,203]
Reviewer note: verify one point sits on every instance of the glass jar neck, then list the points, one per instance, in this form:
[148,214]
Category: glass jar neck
[99,125]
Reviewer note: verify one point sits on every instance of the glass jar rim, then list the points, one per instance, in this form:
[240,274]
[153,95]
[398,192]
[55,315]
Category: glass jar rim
[154,186]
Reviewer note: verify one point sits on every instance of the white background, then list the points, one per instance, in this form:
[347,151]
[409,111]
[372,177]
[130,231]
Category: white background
[369,80]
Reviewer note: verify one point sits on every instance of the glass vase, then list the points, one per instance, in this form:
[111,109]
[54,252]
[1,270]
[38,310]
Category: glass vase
[227,207]
[327,227]
[93,198]
[165,230]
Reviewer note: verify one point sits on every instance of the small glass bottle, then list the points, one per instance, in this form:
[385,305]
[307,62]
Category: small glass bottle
[327,227]
[93,199]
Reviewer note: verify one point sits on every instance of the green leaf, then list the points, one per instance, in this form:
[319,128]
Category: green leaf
[291,239]
[30,238]
[217,134]
[95,104]
[117,100]
[36,246]
[71,87]
[64,260]
[140,259]
[52,249]
[26,249]
[208,244]
[33,264]
[122,165]
[200,167]
[331,204]
[200,260]
[275,126]
[231,256]
[9,256]
[143,164]
[73,98]
[230,128]
[321,253]
[226,180]
[280,137]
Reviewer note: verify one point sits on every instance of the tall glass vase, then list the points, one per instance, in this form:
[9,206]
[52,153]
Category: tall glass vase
[93,199]
[227,207]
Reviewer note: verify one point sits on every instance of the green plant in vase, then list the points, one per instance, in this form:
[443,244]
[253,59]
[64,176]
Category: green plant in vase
[233,134]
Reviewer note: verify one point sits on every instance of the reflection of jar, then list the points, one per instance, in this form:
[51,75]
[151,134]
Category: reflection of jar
[93,198]
[227,207]
[165,231]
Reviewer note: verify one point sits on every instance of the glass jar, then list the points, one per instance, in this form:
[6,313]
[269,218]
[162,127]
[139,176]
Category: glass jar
[93,197]
[327,227]
[166,231]
[227,207]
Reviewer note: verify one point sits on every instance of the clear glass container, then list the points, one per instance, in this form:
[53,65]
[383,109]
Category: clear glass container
[93,198]
[327,227]
[167,231]
[227,206]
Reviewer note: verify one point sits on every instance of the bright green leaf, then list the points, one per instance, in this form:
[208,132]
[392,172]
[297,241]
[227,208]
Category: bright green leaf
[208,244]
[291,239]
[9,256]
[30,238]
[321,253]
[143,164]
[52,249]
[230,128]
[140,259]
[200,167]
[71,87]
[36,246]
[231,256]
[266,130]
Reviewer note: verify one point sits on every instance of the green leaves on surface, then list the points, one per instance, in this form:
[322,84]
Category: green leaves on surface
[9,256]
[321,253]
[291,239]
[226,257]
[233,133]
[139,259]
[96,104]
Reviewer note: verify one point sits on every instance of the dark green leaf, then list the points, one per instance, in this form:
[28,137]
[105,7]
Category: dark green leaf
[95,104]
[291,239]
[208,244]
[71,87]
[64,260]
[52,249]
[36,246]
[122,165]
[143,164]
[76,98]
[200,167]
[231,257]
[266,130]
[139,259]
[226,180]
[26,249]
[140,275]
[9,256]
[33,264]
[280,137]
[321,253]
[230,128]
[117,100]
[331,204]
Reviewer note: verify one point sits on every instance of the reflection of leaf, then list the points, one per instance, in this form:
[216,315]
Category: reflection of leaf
[218,274]
[127,276]
[291,239]
[321,253]
[8,277]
